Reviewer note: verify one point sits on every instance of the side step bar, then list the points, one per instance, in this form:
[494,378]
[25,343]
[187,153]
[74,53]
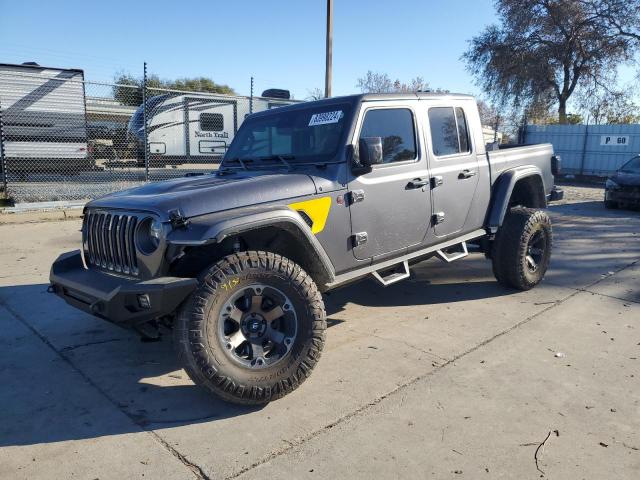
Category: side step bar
[451,257]
[397,276]
[393,277]
[351,275]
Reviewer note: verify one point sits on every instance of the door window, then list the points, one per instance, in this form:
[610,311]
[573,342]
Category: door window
[463,131]
[396,128]
[449,131]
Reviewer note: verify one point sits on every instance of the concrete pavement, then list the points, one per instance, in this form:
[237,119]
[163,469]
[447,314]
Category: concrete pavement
[446,375]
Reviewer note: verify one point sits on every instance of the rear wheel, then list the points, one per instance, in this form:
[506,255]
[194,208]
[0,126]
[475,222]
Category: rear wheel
[522,248]
[253,330]
[609,204]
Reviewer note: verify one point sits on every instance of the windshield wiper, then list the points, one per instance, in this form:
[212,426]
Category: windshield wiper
[242,161]
[282,158]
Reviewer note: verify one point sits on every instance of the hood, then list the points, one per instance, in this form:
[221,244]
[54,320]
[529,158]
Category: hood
[625,179]
[204,194]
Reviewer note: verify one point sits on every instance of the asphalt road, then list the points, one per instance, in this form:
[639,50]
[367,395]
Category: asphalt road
[445,375]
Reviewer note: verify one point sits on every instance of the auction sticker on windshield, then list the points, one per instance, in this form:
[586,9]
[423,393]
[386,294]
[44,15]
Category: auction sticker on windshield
[325,117]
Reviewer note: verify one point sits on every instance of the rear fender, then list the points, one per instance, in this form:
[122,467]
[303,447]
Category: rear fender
[503,190]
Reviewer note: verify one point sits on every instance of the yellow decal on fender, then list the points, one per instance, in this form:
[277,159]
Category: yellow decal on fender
[317,209]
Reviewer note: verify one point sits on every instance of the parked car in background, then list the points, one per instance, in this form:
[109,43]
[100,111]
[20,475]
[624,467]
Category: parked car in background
[622,189]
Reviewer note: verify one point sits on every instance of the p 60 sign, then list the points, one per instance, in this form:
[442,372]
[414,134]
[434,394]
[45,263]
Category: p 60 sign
[614,140]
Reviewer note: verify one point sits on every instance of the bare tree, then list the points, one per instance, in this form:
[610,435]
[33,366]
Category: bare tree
[315,94]
[374,82]
[416,84]
[609,106]
[543,49]
[488,113]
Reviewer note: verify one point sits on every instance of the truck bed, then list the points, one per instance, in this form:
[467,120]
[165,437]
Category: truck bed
[510,157]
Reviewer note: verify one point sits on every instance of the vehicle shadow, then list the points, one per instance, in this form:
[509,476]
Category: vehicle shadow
[417,291]
[69,376]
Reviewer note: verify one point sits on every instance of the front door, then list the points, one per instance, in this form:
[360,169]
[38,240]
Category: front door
[454,168]
[390,205]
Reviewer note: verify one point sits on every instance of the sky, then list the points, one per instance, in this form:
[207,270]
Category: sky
[281,42]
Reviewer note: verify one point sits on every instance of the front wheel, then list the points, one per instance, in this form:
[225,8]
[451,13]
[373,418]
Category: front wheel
[253,330]
[522,248]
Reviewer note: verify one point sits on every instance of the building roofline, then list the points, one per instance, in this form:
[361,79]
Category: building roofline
[42,67]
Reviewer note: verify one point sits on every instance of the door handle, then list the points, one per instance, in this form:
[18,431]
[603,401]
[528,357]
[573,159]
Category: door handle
[418,183]
[467,173]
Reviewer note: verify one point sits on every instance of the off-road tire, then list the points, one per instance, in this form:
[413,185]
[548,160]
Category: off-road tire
[610,205]
[512,242]
[204,358]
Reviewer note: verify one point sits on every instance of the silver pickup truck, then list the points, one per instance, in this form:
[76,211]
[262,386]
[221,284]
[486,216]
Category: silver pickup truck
[309,197]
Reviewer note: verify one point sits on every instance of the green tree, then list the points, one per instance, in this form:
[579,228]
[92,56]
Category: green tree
[128,89]
[543,50]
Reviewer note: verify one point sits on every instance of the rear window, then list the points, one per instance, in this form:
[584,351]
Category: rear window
[449,131]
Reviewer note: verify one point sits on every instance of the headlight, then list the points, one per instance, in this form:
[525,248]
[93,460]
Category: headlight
[611,184]
[155,230]
[149,234]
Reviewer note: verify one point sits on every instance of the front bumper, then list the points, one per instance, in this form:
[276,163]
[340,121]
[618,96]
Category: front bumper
[627,196]
[114,298]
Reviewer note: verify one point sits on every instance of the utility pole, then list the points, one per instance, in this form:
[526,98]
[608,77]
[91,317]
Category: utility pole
[329,50]
[144,119]
[251,98]
[3,162]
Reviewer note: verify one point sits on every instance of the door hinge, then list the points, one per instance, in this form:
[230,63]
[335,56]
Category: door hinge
[356,196]
[359,238]
[436,181]
[438,218]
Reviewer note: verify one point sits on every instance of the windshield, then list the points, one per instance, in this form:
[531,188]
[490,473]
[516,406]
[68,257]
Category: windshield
[302,135]
[632,166]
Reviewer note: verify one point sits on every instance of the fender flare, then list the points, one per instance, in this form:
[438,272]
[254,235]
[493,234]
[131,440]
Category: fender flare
[502,190]
[214,228]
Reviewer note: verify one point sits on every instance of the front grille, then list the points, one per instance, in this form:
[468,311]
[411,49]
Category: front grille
[109,241]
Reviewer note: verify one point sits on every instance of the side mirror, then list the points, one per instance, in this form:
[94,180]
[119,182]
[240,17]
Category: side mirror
[370,151]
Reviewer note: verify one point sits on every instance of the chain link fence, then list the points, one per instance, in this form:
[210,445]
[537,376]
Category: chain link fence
[65,138]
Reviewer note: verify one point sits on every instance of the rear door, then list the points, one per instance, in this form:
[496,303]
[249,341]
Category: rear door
[454,168]
[388,205]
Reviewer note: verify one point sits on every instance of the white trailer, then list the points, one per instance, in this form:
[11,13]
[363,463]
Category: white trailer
[44,119]
[191,128]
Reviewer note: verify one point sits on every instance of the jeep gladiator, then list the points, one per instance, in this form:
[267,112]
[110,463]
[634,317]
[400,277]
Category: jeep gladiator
[308,197]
